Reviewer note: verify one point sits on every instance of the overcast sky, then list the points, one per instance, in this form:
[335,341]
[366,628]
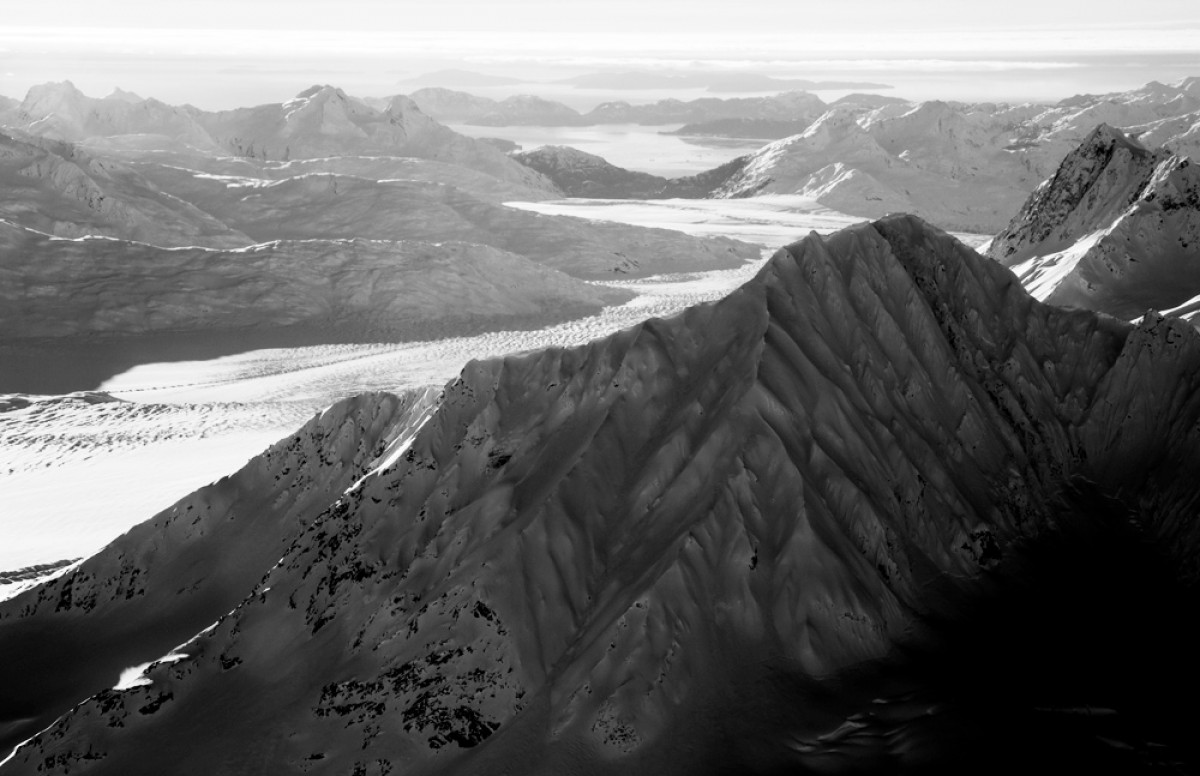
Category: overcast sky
[605,16]
[221,53]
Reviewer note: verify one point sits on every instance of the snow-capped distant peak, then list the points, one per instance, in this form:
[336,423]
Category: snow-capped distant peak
[124,96]
[320,90]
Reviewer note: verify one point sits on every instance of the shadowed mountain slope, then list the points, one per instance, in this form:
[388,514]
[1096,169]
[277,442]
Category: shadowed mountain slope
[61,189]
[876,511]
[580,174]
[324,290]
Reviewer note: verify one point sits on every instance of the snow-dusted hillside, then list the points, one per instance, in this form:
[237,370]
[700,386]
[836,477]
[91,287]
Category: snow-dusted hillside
[329,206]
[1116,229]
[822,524]
[961,166]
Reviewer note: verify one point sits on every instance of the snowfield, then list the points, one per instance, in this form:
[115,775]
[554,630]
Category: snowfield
[773,220]
[115,463]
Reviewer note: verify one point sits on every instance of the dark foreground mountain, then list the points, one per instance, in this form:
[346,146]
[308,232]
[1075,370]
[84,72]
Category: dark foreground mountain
[877,511]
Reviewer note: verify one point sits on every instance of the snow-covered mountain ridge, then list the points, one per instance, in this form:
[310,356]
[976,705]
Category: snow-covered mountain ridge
[959,165]
[1116,229]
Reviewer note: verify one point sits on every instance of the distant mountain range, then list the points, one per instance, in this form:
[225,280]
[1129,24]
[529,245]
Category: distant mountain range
[640,80]
[457,78]
[322,216]
[527,110]
[962,166]
[714,82]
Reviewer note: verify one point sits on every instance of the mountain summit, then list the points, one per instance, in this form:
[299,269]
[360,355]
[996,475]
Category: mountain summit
[1116,229]
[876,511]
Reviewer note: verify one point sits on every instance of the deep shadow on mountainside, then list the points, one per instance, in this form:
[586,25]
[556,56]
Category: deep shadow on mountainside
[877,511]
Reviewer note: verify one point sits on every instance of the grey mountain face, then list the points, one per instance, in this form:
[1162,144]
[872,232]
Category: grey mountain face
[862,515]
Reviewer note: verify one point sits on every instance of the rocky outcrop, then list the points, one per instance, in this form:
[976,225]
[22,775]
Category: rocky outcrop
[179,572]
[872,512]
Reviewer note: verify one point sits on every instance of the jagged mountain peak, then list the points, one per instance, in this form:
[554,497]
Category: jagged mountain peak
[1094,183]
[1116,229]
[725,542]
[1106,137]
